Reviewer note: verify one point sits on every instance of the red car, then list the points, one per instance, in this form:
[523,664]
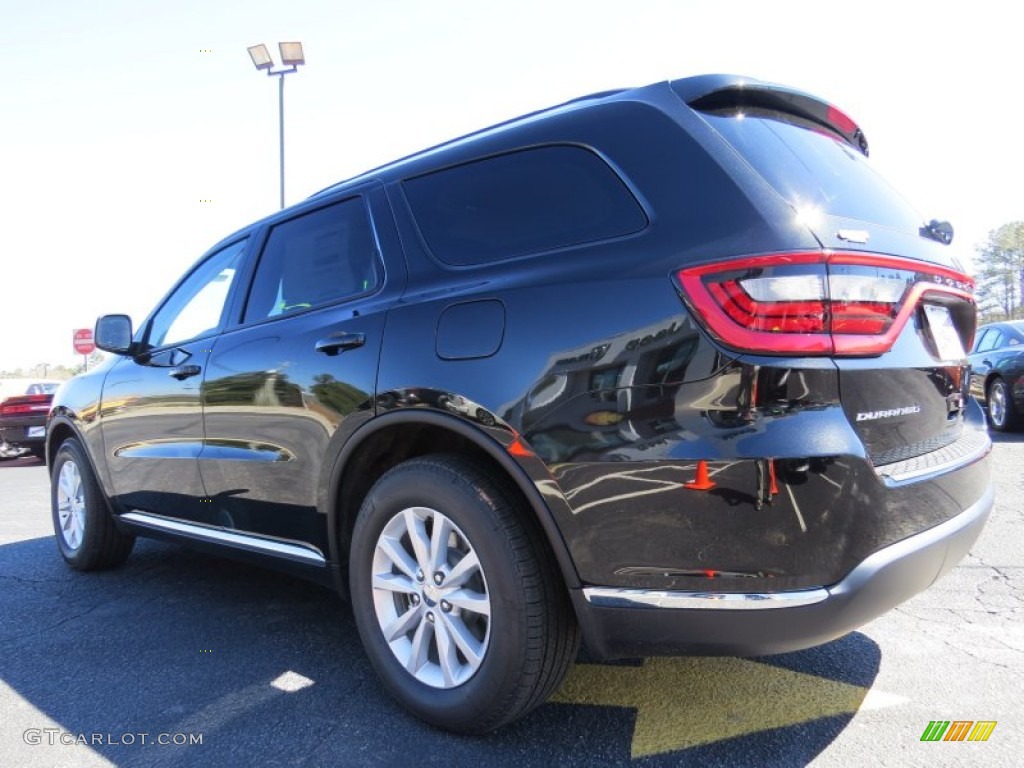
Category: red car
[24,404]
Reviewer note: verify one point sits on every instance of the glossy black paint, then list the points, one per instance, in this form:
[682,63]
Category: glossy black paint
[153,431]
[579,375]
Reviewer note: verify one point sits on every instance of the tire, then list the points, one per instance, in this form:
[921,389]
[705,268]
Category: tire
[87,537]
[1002,411]
[39,451]
[508,652]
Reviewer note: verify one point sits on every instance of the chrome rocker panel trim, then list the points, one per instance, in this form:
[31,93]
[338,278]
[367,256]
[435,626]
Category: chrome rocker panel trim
[296,552]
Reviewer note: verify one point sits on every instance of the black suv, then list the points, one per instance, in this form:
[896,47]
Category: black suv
[670,368]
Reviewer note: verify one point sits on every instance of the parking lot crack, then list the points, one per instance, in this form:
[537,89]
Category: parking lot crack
[50,627]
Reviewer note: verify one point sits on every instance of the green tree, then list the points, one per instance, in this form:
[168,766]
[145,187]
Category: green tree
[95,359]
[1001,273]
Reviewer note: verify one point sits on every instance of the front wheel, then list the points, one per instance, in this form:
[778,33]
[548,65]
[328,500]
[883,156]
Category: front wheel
[458,603]
[87,538]
[1002,411]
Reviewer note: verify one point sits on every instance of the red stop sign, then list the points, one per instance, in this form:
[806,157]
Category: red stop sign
[83,341]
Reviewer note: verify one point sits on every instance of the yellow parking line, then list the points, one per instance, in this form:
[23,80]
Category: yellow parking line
[686,702]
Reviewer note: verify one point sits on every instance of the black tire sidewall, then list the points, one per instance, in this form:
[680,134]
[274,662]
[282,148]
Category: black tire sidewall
[460,707]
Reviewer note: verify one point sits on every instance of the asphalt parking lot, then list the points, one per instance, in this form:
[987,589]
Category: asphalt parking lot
[179,658]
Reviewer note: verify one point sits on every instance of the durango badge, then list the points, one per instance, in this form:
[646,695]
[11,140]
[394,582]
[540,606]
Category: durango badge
[904,411]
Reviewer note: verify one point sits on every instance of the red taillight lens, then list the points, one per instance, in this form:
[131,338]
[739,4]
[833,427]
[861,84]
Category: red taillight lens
[815,303]
[25,404]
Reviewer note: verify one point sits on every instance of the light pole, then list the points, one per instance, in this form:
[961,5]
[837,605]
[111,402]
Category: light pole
[291,58]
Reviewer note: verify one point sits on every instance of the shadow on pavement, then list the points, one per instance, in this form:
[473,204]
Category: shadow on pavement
[21,461]
[180,642]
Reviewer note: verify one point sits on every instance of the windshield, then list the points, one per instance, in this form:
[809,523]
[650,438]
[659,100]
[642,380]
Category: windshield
[811,168]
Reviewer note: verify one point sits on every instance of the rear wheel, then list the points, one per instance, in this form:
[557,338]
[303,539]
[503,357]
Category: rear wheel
[1002,412]
[457,600]
[86,535]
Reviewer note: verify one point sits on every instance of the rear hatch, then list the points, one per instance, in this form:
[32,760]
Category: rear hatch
[886,290]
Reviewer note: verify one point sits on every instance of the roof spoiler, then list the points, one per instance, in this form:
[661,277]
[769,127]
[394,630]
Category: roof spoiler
[709,92]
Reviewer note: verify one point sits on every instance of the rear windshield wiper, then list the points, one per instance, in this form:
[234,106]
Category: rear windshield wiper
[940,231]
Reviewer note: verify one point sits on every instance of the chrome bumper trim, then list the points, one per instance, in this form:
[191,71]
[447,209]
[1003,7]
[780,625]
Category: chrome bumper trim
[613,597]
[616,597]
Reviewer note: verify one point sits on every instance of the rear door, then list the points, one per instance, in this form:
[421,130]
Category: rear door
[301,361]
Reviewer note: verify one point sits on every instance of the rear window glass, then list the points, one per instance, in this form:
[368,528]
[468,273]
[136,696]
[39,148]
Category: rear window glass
[811,168]
[42,388]
[521,203]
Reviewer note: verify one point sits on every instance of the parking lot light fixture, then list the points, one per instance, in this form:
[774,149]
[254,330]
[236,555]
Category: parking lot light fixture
[291,57]
[291,54]
[261,56]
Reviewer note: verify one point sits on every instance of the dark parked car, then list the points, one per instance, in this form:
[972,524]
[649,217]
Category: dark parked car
[997,373]
[24,404]
[670,368]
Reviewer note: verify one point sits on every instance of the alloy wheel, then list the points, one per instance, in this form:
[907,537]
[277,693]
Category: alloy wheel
[430,597]
[71,505]
[997,403]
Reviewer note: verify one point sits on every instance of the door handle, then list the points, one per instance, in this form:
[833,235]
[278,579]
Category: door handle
[183,372]
[339,342]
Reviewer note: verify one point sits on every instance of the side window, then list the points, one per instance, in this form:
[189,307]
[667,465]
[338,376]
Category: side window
[197,306]
[989,340]
[314,259]
[520,203]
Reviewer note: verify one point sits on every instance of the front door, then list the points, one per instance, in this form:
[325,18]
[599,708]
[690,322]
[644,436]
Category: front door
[151,412]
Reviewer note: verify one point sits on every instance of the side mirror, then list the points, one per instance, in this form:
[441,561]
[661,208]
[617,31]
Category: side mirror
[114,334]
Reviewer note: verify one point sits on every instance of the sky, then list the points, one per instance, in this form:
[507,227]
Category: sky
[135,134]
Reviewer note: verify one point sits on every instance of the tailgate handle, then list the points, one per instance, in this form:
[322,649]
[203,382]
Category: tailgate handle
[183,372]
[339,342]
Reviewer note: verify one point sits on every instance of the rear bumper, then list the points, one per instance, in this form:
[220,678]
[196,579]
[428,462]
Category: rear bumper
[18,435]
[619,622]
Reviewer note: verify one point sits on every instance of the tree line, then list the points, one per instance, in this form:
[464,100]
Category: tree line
[999,269]
[51,371]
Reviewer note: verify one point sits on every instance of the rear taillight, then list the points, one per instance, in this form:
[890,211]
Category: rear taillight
[25,404]
[834,303]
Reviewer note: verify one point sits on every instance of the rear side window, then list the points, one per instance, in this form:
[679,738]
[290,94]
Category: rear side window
[317,258]
[811,168]
[520,203]
[993,340]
